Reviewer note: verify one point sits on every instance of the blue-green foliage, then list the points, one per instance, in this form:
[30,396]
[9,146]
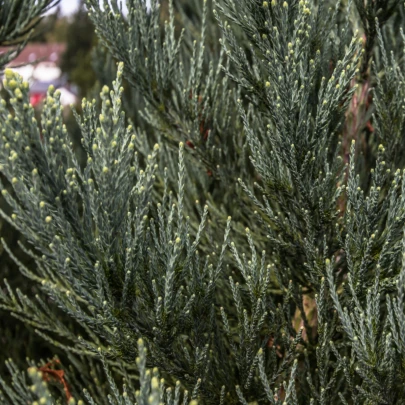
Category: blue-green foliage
[18,19]
[299,298]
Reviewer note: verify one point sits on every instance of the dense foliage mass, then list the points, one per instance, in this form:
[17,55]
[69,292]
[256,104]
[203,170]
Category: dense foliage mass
[235,232]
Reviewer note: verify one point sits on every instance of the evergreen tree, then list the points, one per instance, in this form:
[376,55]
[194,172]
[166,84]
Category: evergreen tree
[20,21]
[76,60]
[18,18]
[241,239]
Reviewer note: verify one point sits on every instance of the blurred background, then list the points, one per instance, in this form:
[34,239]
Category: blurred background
[69,6]
[59,54]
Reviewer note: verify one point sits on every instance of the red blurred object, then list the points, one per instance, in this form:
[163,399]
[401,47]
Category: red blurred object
[52,374]
[36,98]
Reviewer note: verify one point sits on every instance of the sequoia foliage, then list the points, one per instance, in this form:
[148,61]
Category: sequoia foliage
[236,231]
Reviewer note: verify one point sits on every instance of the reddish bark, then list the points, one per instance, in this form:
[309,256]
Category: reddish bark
[49,373]
[190,144]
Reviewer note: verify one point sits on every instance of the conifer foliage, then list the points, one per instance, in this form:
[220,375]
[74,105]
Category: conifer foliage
[18,19]
[243,242]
